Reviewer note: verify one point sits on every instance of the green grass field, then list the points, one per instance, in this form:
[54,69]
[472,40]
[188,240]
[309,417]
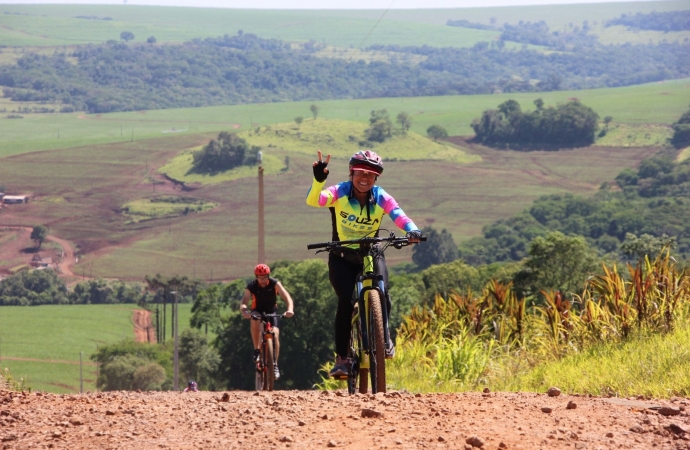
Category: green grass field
[43,343]
[57,25]
[654,103]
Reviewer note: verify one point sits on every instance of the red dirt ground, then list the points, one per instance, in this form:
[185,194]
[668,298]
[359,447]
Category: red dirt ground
[317,420]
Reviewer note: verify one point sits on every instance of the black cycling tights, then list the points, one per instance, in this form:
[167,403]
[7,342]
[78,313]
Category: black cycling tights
[343,276]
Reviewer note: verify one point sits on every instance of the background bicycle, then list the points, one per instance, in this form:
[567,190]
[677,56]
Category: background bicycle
[265,365]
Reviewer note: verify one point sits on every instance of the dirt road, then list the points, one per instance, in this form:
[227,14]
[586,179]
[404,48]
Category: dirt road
[319,420]
[143,328]
[65,265]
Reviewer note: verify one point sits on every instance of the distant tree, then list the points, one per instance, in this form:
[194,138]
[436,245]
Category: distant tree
[439,248]
[380,126]
[198,361]
[206,309]
[148,377]
[646,245]
[314,111]
[223,153]
[39,234]
[556,262]
[607,121]
[151,40]
[127,36]
[681,131]
[299,120]
[436,132]
[128,365]
[405,121]
[31,288]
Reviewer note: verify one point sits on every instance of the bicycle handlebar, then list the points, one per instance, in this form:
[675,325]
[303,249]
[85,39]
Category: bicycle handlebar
[261,316]
[394,240]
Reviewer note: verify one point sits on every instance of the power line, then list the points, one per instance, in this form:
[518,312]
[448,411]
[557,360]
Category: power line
[371,31]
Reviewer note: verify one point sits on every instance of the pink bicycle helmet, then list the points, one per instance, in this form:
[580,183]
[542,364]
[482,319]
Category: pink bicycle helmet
[261,270]
[367,161]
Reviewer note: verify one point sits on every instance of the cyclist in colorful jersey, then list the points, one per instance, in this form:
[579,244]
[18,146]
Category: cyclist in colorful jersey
[263,292]
[357,207]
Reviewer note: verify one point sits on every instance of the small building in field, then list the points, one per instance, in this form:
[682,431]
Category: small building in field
[15,199]
[39,262]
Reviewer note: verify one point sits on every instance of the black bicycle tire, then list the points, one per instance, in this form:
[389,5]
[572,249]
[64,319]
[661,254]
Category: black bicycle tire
[258,380]
[269,373]
[377,344]
[353,359]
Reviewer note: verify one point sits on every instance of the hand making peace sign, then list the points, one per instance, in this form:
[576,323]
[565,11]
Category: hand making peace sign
[320,167]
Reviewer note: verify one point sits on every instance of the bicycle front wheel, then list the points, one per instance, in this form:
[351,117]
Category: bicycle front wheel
[357,374]
[258,380]
[377,343]
[269,373]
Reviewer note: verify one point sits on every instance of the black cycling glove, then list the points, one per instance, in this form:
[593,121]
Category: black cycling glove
[320,173]
[416,234]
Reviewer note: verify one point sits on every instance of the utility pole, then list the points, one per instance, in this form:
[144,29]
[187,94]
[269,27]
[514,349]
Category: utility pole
[262,249]
[176,352]
[81,374]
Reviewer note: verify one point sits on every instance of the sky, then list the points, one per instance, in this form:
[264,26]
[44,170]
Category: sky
[321,4]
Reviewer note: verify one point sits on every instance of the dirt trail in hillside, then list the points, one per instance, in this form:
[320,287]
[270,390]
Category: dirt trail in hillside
[143,328]
[318,420]
[65,265]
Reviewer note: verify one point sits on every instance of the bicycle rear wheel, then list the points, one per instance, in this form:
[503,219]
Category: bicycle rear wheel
[377,343]
[269,373]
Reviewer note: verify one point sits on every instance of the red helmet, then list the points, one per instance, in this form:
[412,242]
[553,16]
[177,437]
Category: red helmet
[261,270]
[367,161]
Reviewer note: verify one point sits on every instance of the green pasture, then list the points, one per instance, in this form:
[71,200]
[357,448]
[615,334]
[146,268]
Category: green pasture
[339,137]
[180,169]
[57,25]
[625,135]
[164,207]
[50,339]
[654,103]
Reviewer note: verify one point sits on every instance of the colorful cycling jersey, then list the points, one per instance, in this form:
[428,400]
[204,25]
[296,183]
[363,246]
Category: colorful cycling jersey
[350,219]
[264,299]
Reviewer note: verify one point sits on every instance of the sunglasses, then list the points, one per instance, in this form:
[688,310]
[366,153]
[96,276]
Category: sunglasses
[263,277]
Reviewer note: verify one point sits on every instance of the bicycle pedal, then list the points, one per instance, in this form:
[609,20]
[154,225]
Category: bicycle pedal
[340,377]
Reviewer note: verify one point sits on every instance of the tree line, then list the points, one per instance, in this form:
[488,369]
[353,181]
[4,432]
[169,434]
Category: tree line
[119,76]
[659,21]
[570,124]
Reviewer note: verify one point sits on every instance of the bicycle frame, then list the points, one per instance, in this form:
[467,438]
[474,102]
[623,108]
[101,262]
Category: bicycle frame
[364,284]
[264,378]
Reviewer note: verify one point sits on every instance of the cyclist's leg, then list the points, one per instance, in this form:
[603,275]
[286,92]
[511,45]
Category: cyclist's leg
[342,275]
[255,328]
[275,324]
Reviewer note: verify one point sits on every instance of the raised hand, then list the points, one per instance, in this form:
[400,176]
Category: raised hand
[320,167]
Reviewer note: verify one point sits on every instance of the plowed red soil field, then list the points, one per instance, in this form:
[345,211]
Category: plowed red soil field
[319,420]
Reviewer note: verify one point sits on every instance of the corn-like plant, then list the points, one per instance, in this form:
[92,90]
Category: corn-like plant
[14,383]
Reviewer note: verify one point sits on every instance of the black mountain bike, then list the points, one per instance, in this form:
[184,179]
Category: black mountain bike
[368,338]
[265,366]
